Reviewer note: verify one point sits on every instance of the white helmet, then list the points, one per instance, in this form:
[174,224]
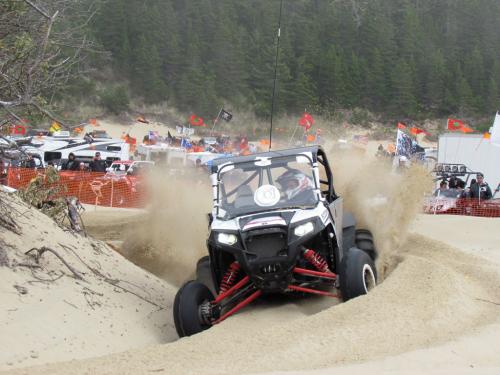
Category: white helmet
[301,183]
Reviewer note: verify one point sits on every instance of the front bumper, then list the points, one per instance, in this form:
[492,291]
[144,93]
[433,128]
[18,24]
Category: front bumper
[268,255]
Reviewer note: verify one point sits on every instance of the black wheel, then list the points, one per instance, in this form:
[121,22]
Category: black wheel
[187,315]
[358,274]
[364,241]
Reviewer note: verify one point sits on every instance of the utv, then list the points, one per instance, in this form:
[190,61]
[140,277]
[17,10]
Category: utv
[277,226]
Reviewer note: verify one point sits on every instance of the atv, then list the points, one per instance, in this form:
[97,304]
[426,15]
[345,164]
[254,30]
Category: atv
[277,226]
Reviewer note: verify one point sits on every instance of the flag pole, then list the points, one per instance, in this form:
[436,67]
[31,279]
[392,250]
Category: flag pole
[215,121]
[275,75]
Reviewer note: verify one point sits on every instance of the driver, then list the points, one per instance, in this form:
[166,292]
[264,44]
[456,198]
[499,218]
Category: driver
[296,186]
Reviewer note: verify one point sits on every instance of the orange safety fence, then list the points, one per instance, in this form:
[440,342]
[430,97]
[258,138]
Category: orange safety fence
[89,187]
[132,192]
[462,206]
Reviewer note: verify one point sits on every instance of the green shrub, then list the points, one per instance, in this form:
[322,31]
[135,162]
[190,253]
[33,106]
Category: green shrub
[115,99]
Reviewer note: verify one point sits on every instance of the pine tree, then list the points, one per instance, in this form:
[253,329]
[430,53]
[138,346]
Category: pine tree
[403,99]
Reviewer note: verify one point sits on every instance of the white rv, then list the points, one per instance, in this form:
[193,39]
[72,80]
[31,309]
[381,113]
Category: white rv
[57,149]
[474,151]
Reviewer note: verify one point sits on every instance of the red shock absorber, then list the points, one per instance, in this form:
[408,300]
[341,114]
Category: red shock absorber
[316,260]
[230,277]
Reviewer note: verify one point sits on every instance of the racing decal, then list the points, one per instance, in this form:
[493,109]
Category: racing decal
[264,221]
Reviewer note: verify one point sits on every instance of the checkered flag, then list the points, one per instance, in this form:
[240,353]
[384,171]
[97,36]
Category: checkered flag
[225,115]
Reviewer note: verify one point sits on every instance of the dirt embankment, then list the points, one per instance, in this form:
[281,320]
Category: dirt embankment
[99,303]
[432,293]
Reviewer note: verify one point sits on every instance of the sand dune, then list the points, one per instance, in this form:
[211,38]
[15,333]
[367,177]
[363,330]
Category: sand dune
[437,309]
[116,306]
[436,294]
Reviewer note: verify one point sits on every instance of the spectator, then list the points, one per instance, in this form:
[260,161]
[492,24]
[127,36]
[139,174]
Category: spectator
[461,192]
[97,165]
[30,162]
[88,138]
[380,150]
[71,164]
[453,182]
[443,186]
[480,190]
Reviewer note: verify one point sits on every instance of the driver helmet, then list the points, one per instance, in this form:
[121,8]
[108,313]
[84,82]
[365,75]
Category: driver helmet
[293,182]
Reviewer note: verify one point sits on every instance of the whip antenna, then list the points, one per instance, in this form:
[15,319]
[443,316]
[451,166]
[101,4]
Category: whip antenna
[275,76]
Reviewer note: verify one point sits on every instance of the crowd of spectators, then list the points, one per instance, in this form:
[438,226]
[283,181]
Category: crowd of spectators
[456,187]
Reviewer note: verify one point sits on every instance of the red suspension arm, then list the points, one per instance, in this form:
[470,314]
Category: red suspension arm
[304,271]
[230,291]
[312,291]
[240,305]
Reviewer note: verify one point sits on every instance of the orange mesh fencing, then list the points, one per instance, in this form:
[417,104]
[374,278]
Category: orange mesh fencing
[462,206]
[90,187]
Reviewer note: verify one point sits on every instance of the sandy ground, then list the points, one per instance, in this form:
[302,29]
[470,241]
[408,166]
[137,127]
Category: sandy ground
[114,307]
[437,310]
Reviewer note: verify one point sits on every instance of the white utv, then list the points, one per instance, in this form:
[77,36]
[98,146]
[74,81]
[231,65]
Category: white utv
[277,226]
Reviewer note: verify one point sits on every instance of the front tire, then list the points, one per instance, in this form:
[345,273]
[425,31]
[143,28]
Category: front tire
[187,304]
[358,274]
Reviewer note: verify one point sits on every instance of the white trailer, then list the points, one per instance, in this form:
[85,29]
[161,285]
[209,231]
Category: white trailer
[474,151]
[57,149]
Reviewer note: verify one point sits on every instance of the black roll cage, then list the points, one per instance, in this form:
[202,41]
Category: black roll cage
[318,155]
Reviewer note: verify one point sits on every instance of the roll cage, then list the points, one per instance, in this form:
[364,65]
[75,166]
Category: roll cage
[316,156]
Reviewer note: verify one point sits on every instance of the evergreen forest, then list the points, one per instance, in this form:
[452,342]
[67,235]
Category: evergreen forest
[399,57]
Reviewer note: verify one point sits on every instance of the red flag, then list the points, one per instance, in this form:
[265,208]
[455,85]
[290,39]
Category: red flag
[415,131]
[306,121]
[18,130]
[196,121]
[401,126]
[455,125]
[458,125]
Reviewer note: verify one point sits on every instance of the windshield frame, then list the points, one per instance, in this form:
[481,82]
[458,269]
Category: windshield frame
[260,170]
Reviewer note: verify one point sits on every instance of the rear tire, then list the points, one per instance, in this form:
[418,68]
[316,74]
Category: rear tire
[364,241]
[358,274]
[186,308]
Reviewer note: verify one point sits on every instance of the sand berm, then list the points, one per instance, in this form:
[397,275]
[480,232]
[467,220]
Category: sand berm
[433,294]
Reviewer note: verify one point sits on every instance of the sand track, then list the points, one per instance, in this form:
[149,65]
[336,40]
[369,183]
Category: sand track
[436,301]
[436,294]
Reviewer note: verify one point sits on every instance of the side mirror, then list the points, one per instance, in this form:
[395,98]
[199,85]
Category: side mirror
[210,218]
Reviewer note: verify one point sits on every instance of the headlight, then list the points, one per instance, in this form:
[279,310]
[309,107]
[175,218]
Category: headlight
[227,239]
[303,229]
